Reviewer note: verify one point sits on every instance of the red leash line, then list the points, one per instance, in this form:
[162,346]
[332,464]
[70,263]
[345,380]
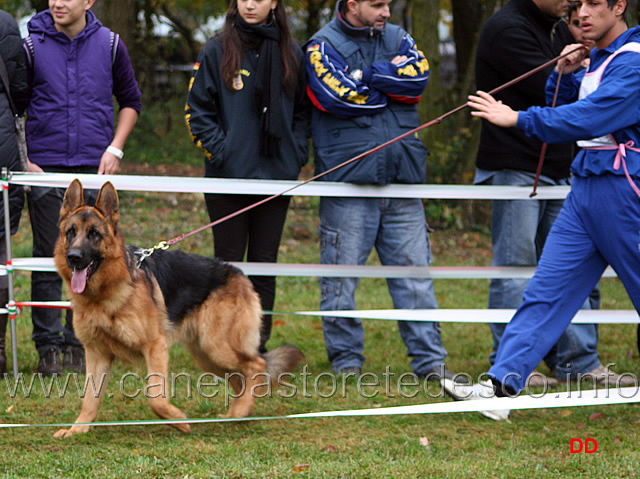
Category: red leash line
[370,152]
[544,145]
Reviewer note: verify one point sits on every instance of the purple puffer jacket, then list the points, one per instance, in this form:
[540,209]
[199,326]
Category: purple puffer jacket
[70,114]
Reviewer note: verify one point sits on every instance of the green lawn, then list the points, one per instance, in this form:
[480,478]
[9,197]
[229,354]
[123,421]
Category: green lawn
[534,443]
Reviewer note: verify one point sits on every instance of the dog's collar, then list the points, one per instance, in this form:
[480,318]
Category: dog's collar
[136,256]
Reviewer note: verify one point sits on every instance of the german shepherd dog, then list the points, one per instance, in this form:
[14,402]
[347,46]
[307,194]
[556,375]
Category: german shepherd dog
[126,309]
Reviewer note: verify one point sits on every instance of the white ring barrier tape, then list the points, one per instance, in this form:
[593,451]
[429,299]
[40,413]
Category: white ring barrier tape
[588,397]
[179,184]
[342,271]
[598,316]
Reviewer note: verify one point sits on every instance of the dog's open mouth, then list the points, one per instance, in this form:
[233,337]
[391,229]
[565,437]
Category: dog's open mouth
[79,278]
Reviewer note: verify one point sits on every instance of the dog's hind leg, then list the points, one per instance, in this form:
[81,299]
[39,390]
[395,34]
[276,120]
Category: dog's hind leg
[98,369]
[157,358]
[245,383]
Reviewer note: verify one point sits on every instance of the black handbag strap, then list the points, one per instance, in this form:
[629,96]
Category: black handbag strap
[5,80]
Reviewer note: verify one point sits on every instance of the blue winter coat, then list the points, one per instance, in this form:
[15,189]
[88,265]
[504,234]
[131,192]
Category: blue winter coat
[611,109]
[352,116]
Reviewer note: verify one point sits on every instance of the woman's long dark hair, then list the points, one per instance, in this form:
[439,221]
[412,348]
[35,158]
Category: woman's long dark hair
[233,48]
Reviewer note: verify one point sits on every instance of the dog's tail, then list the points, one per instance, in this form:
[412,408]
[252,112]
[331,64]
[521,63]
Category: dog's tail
[283,359]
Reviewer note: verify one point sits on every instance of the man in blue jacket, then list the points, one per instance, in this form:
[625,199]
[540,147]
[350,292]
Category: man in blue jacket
[365,77]
[76,67]
[600,220]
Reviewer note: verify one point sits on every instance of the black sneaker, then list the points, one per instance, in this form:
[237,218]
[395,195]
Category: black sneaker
[49,363]
[438,373]
[74,359]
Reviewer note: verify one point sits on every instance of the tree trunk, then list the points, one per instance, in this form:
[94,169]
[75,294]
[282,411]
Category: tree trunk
[119,16]
[465,33]
[425,15]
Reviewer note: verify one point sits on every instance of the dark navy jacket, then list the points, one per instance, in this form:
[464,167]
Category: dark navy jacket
[352,116]
[14,60]
[226,126]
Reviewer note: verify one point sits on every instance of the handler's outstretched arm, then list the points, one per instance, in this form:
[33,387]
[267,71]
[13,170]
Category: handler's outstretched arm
[490,109]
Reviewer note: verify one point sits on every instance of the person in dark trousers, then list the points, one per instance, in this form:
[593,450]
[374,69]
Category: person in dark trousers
[15,64]
[247,109]
[519,37]
[76,67]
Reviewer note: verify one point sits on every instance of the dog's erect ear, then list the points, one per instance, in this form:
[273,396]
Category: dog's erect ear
[73,199]
[107,204]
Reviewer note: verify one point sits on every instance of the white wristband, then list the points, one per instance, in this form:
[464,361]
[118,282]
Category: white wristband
[115,151]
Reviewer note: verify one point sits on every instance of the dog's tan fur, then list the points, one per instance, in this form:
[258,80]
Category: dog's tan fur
[122,314]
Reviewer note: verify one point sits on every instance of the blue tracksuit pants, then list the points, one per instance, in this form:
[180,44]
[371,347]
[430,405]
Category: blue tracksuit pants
[598,225]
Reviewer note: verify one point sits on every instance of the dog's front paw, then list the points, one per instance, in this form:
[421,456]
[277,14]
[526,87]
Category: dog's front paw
[62,433]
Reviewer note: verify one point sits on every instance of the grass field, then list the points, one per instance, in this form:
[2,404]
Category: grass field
[533,443]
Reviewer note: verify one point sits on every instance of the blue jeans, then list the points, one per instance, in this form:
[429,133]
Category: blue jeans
[349,229]
[519,229]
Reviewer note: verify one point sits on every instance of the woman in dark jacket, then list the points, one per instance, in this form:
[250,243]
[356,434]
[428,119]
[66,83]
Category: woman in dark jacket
[15,63]
[247,109]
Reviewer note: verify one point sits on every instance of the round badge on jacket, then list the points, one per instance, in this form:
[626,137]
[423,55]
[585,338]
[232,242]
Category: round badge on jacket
[238,84]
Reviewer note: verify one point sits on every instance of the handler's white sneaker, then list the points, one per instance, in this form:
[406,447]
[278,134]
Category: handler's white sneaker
[481,390]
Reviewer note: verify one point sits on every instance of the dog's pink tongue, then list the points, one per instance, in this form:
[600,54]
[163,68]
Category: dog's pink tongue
[78,280]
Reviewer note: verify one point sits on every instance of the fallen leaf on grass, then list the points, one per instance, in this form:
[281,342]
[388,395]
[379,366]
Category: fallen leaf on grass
[546,428]
[301,468]
[630,354]
[566,412]
[55,449]
[595,416]
[10,408]
[617,440]
[329,448]
[424,441]
[279,322]
[580,425]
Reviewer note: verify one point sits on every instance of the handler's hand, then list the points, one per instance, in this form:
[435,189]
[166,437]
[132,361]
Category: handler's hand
[573,61]
[494,111]
[33,168]
[109,164]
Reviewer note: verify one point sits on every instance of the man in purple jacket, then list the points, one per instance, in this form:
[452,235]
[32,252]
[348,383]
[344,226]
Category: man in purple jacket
[76,67]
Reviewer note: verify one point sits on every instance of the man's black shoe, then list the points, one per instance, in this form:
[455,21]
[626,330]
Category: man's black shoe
[49,363]
[74,359]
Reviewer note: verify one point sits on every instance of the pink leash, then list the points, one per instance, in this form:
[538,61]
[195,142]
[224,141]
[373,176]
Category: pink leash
[621,154]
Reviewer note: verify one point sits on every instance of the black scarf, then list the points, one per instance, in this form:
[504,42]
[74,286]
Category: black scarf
[267,89]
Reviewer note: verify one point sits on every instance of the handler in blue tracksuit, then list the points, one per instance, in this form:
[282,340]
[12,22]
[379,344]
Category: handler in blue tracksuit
[600,221]
[365,77]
